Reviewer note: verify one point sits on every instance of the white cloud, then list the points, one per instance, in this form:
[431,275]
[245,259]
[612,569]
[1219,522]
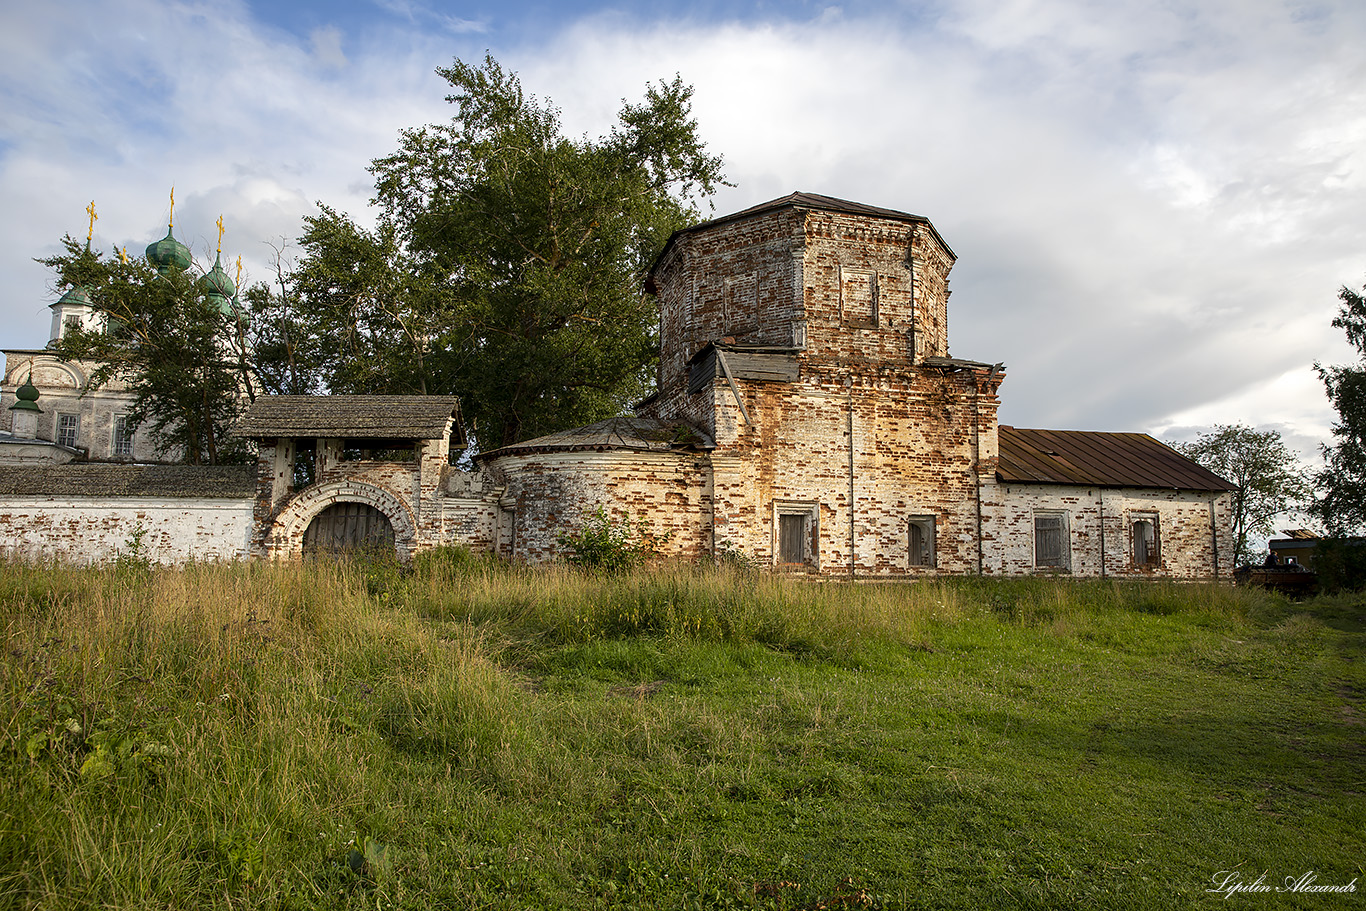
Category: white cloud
[1153,205]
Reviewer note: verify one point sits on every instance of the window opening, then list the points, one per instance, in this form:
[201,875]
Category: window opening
[1050,541]
[68,428]
[123,437]
[795,528]
[365,450]
[921,541]
[1147,551]
[305,463]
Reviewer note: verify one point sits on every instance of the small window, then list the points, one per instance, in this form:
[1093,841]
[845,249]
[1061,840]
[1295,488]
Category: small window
[68,428]
[1051,549]
[71,324]
[305,463]
[123,437]
[796,533]
[1147,548]
[921,541]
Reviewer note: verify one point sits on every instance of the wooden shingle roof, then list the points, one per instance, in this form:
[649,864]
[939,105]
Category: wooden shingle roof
[388,417]
[104,480]
[1092,458]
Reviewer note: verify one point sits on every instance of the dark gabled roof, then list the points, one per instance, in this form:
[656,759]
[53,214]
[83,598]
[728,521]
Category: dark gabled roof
[638,434]
[104,480]
[1091,458]
[387,417]
[799,200]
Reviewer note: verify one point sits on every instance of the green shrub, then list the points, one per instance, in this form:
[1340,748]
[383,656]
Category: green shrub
[608,545]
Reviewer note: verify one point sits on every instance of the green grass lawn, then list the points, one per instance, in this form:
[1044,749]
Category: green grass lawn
[472,736]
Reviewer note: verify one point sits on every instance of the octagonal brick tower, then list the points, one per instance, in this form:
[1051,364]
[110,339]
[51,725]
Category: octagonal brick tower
[808,337]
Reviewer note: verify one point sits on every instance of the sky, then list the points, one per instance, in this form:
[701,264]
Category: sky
[1153,202]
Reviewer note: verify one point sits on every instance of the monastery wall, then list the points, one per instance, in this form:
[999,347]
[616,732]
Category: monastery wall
[94,530]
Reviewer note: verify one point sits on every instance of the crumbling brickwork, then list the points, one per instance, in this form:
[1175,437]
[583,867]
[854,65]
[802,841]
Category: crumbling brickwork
[94,530]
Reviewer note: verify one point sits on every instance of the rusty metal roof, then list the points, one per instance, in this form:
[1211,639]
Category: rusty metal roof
[639,434]
[389,417]
[103,480]
[1092,458]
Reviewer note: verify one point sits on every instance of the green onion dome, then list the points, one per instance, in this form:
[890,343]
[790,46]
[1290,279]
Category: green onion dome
[169,253]
[27,396]
[219,287]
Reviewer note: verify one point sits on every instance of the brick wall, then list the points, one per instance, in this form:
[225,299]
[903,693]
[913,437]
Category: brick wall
[89,530]
[1183,521]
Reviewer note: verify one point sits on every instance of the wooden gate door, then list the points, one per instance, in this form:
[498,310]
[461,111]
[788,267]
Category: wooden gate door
[347,527]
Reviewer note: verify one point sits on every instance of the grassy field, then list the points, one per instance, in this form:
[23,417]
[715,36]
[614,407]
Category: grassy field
[471,736]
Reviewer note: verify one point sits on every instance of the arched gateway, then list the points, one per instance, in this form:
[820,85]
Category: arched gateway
[345,473]
[345,528]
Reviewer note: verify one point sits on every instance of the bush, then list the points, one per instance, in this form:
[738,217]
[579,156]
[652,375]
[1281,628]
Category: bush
[607,545]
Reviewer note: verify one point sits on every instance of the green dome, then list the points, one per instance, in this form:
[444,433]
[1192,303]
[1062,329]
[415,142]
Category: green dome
[216,283]
[27,396]
[169,253]
[75,296]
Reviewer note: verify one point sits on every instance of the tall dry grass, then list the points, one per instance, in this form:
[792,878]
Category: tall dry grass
[251,734]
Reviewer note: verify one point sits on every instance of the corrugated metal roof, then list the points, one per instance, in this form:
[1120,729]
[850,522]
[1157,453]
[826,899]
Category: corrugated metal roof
[104,480]
[390,417]
[640,434]
[1092,458]
[799,200]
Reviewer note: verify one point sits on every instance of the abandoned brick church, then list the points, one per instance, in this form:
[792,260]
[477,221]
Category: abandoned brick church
[808,416]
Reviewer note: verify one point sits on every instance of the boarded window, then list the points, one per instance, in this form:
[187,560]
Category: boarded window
[68,427]
[858,297]
[921,541]
[1050,541]
[796,533]
[1147,551]
[349,528]
[794,537]
[123,437]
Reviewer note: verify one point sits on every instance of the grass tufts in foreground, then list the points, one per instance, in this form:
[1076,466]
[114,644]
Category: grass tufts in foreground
[467,734]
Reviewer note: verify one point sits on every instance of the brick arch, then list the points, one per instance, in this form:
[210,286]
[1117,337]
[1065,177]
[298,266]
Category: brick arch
[286,536]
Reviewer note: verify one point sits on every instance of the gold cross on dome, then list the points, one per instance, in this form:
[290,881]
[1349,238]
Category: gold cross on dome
[220,234]
[170,219]
[90,209]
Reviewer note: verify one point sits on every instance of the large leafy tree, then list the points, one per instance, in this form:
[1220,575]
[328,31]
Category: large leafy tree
[355,314]
[1270,479]
[183,356]
[508,260]
[1342,481]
